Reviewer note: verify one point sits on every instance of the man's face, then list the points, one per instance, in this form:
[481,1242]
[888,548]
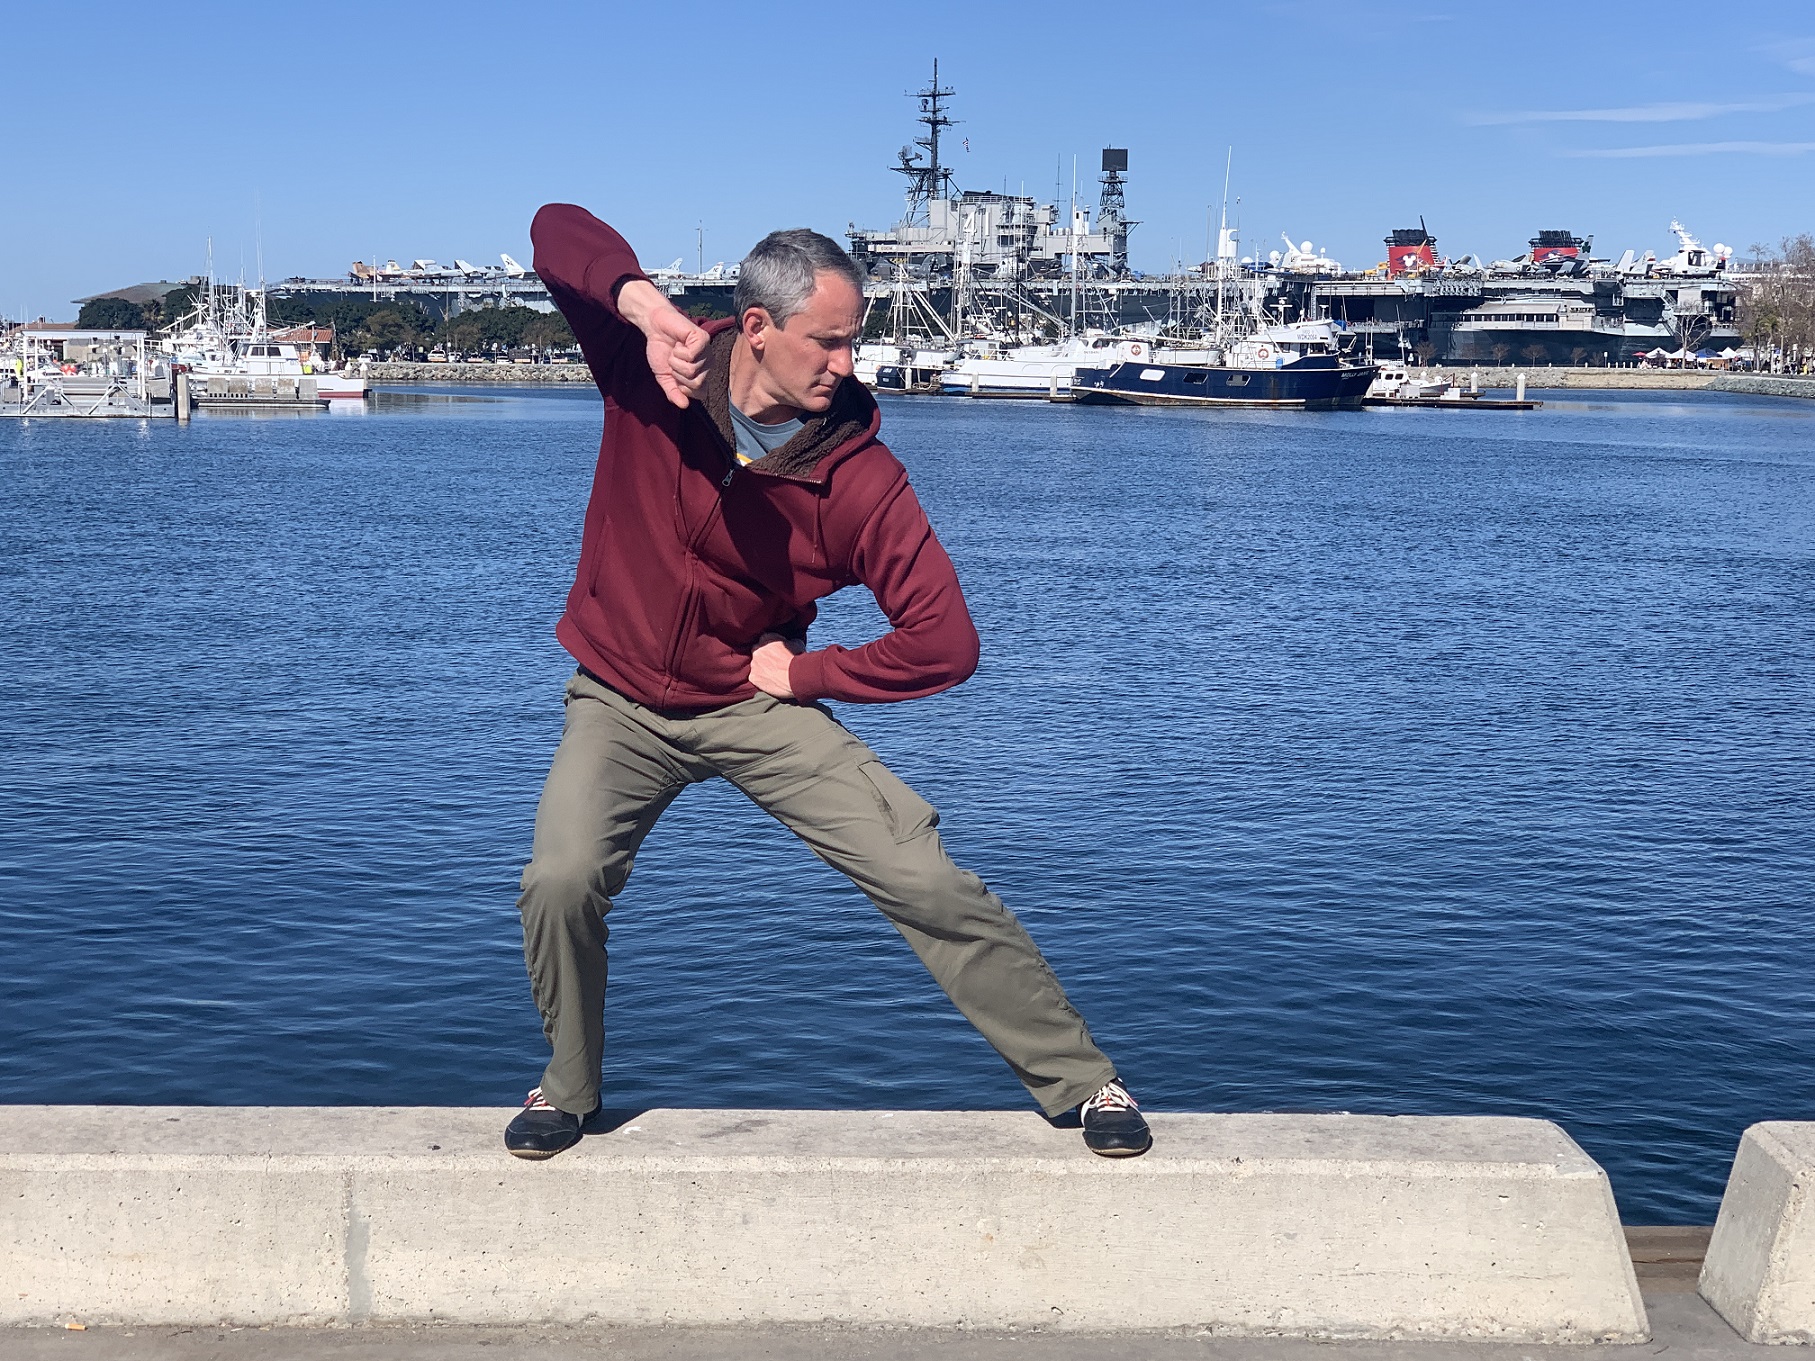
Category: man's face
[806,358]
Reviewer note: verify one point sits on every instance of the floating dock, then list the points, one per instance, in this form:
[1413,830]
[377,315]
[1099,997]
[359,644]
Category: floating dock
[82,375]
[1455,403]
[224,393]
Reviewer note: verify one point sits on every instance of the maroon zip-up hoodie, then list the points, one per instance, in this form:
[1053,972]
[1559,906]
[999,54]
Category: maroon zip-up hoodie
[688,559]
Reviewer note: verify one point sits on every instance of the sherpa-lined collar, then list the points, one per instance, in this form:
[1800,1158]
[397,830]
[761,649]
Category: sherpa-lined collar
[852,414]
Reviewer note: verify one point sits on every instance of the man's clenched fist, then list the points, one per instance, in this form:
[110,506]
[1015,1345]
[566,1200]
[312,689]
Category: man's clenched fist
[769,664]
[677,348]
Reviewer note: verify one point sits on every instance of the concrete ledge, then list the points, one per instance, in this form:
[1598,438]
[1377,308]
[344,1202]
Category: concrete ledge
[1338,1226]
[1760,1270]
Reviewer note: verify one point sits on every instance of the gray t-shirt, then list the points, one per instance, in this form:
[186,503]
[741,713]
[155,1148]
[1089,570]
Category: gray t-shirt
[755,439]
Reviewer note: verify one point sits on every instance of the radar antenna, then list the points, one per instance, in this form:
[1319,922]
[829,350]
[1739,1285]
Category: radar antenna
[927,179]
[1112,208]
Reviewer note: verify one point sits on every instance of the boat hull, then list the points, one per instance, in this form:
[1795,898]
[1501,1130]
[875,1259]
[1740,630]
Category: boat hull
[1314,383]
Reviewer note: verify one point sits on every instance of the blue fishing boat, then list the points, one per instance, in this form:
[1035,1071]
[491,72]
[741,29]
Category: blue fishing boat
[1295,365]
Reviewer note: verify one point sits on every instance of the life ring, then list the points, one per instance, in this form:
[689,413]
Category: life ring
[1263,352]
[1135,350]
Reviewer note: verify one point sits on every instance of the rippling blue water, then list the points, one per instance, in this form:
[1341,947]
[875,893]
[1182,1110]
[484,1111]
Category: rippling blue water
[1384,761]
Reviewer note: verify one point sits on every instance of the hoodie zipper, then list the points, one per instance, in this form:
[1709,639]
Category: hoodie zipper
[690,593]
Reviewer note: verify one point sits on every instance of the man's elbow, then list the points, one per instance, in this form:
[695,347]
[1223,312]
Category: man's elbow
[962,656]
[545,229]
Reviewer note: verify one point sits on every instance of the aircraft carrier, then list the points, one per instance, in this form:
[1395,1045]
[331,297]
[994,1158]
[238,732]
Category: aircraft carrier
[981,263]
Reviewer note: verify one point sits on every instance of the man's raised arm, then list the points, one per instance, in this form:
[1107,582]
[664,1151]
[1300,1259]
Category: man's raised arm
[593,276]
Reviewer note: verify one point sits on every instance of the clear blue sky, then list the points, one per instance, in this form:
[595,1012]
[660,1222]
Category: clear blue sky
[400,130]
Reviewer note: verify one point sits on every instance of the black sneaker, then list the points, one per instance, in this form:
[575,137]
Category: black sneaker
[541,1130]
[1113,1127]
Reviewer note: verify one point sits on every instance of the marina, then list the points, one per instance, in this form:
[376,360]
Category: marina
[989,294]
[224,355]
[992,295]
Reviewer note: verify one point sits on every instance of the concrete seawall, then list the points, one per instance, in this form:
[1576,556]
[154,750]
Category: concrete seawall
[478,375]
[1651,380]
[1760,1269]
[1321,1226]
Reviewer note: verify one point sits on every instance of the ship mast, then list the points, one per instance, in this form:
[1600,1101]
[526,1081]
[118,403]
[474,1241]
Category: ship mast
[928,179]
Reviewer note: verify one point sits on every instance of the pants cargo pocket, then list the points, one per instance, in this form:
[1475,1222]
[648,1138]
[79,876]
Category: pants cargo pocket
[906,813]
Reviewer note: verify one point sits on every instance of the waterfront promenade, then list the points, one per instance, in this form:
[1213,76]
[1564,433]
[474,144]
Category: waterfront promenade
[184,1232]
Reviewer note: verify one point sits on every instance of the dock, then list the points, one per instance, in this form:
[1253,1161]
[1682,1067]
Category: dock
[84,375]
[1455,403]
[225,393]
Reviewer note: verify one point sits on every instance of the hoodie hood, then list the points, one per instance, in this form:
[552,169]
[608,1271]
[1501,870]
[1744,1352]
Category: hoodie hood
[844,427]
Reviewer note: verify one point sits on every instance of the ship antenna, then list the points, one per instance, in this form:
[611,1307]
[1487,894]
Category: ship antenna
[927,180]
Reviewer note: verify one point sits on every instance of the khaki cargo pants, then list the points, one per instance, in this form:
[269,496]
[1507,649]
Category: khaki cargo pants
[621,764]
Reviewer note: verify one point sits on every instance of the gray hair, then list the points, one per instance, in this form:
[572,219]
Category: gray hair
[782,270]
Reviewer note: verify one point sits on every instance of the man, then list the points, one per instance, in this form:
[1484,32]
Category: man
[740,480]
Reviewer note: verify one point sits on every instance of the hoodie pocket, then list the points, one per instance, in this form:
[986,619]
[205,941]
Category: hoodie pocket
[906,813]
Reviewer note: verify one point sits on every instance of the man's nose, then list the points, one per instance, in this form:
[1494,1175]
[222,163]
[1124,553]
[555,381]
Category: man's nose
[843,361]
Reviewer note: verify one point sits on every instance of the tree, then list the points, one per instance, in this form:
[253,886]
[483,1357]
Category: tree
[1501,352]
[172,307]
[549,332]
[1777,301]
[111,314]
[387,329]
[1536,352]
[404,324]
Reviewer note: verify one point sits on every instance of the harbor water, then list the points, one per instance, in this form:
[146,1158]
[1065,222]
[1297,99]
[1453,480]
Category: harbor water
[1384,761]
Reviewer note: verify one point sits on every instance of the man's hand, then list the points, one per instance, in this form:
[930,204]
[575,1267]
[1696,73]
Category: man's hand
[677,348]
[769,664]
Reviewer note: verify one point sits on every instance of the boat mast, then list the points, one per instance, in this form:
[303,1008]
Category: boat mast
[1074,245]
[1222,237]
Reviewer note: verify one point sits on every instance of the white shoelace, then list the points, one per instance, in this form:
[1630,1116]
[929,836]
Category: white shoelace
[1112,1097]
[536,1102]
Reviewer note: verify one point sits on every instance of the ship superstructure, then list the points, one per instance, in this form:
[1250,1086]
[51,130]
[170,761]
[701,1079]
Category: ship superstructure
[1001,261]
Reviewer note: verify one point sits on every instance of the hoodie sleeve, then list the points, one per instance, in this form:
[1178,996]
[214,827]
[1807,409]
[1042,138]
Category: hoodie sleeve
[931,645]
[583,261]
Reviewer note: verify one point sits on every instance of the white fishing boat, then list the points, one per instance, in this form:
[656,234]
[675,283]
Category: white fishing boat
[1039,371]
[1397,382]
[299,354]
[900,367]
[236,358]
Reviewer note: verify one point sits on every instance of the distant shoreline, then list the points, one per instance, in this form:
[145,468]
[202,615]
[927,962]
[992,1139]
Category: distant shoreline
[1671,380]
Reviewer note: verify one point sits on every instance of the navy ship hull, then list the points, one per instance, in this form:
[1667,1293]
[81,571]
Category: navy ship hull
[1314,383]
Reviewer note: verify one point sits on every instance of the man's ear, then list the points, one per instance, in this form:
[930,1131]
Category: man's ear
[755,324]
